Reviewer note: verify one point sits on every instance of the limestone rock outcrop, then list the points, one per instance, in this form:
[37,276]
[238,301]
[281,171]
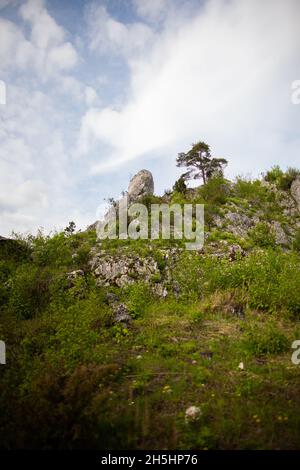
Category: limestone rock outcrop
[122,270]
[140,185]
[295,191]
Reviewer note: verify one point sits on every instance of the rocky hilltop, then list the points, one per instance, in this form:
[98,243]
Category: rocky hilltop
[245,214]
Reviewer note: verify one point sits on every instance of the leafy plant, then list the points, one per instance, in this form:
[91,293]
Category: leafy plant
[265,339]
[263,235]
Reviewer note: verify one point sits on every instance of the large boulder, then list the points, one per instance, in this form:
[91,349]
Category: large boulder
[140,185]
[295,191]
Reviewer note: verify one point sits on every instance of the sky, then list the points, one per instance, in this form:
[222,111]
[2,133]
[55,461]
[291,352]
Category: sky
[98,90]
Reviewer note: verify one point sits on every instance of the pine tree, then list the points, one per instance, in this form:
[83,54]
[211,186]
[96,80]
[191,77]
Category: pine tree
[200,163]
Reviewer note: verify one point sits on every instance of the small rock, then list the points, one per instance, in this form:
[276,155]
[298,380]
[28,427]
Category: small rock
[111,298]
[235,251]
[121,314]
[75,274]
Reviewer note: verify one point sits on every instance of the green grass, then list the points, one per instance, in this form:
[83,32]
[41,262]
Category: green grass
[74,379]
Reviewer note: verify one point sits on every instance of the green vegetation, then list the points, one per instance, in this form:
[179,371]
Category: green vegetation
[221,339]
[283,180]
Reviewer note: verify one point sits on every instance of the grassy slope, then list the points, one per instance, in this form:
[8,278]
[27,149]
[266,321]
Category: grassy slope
[74,379]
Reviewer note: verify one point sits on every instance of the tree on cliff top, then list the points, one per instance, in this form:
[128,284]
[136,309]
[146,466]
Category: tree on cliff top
[200,163]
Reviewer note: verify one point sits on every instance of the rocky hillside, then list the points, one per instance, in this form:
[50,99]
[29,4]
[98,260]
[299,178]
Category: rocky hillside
[143,344]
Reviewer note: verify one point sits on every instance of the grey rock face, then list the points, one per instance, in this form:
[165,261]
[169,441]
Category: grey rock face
[295,191]
[123,270]
[239,224]
[141,184]
[281,238]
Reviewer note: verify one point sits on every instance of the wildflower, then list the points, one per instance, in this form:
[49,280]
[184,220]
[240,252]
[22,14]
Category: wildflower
[167,389]
[192,413]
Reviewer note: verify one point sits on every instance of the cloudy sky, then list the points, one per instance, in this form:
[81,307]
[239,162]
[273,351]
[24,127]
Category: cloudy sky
[97,90]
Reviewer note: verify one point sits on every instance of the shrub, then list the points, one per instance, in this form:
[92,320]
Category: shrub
[78,329]
[180,185]
[296,241]
[263,235]
[270,280]
[215,191]
[274,175]
[285,181]
[52,251]
[30,291]
[253,191]
[265,339]
[139,297]
[187,275]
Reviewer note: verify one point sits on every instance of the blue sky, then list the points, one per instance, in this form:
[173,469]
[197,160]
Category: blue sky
[97,90]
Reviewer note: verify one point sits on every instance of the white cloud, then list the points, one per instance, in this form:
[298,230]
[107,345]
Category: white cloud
[90,95]
[46,50]
[222,76]
[109,36]
[34,167]
[45,32]
[77,89]
[153,10]
[62,57]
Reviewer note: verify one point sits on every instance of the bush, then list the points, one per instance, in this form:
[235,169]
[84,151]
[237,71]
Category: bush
[180,185]
[139,297]
[187,275]
[215,191]
[253,191]
[30,291]
[296,241]
[78,329]
[52,251]
[263,235]
[285,181]
[265,339]
[274,175]
[270,280]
